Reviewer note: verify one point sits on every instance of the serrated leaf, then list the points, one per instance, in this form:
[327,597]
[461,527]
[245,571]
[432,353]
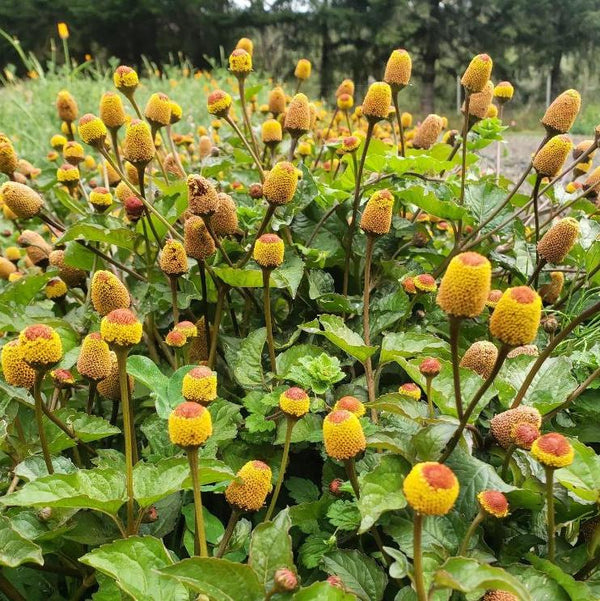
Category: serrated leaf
[410,344]
[95,232]
[302,490]
[344,515]
[577,591]
[582,477]
[147,372]
[322,591]
[247,367]
[16,549]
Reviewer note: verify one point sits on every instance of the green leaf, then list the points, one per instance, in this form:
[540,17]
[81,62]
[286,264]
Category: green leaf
[339,334]
[289,274]
[582,477]
[271,549]
[88,428]
[540,586]
[322,591]
[381,490]
[247,366]
[292,357]
[577,591]
[95,232]
[344,515]
[16,549]
[469,575]
[147,372]
[242,278]
[218,578]
[410,344]
[134,563]
[430,203]
[318,374]
[359,573]
[302,490]
[101,489]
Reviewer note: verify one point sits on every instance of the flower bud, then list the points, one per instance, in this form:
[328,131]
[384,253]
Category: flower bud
[285,580]
[202,196]
[558,241]
[477,73]
[377,215]
[553,450]
[121,328]
[134,208]
[108,293]
[94,362]
[271,133]
[376,104]
[100,199]
[138,146]
[480,357]
[66,107]
[430,367]
[225,220]
[343,435]
[294,402]
[549,161]
[280,184]
[502,425]
[493,503]
[198,243]
[303,69]
[190,425]
[398,69]
[431,488]
[158,110]
[561,114]
[200,385]
[92,130]
[297,118]
[16,371]
[503,92]
[516,318]
[72,276]
[240,62]
[351,404]
[21,199]
[125,80]
[219,103]
[268,251]
[251,486]
[112,111]
[41,346]
[551,292]
[277,101]
[428,132]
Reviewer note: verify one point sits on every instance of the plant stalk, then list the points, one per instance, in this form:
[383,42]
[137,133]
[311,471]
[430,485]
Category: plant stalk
[291,422]
[200,533]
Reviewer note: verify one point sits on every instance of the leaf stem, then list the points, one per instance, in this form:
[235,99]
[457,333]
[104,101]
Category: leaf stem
[351,472]
[366,322]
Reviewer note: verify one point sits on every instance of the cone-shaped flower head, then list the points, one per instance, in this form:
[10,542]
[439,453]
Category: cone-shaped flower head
[410,390]
[16,371]
[251,486]
[350,144]
[200,385]
[8,158]
[480,357]
[477,73]
[202,196]
[58,141]
[549,161]
[173,260]
[425,282]
[134,208]
[553,450]
[112,111]
[465,286]
[108,293]
[271,133]
[504,91]
[297,118]
[280,184]
[225,220]
[524,434]
[377,215]
[398,69]
[188,328]
[428,132]
[21,199]
[72,276]
[240,62]
[531,350]
[343,435]
[92,130]
[268,251]
[158,110]
[430,367]
[121,328]
[431,488]
[73,153]
[125,79]
[480,103]
[110,386]
[551,292]
[100,199]
[352,404]
[94,362]
[246,44]
[345,102]
[198,243]
[516,318]
[176,339]
[68,175]
[558,241]
[66,106]
[41,346]
[138,146]
[176,112]
[561,114]
[55,289]
[377,102]
[303,69]
[346,87]
[493,503]
[277,101]
[294,402]
[190,425]
[219,103]
[502,426]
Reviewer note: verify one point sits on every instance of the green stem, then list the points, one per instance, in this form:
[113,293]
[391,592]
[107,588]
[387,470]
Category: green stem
[401,150]
[204,287]
[8,589]
[266,273]
[249,148]
[506,463]
[242,91]
[454,332]
[550,513]
[261,229]
[536,216]
[39,413]
[325,136]
[127,432]
[233,520]
[215,333]
[173,284]
[91,395]
[351,472]
[469,534]
[291,422]
[465,133]
[200,534]
[115,146]
[418,557]
[366,322]
[428,382]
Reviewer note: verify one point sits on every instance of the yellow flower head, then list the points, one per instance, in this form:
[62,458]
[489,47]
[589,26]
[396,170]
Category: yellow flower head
[553,450]
[219,103]
[277,101]
[398,69]
[549,161]
[280,184]
[62,378]
[480,102]
[176,112]
[41,346]
[190,425]
[524,434]
[57,141]
[125,79]
[112,111]
[225,220]
[94,362]
[12,253]
[67,174]
[108,293]
[240,62]
[561,114]
[477,73]
[68,128]
[558,241]
[431,488]
[465,286]
[203,198]
[271,133]
[297,118]
[110,387]
[8,158]
[428,132]
[377,102]
[406,120]
[198,243]
[303,69]
[480,357]
[503,92]
[516,318]
[7,268]
[246,44]
[73,153]
[430,367]
[66,107]
[188,328]
[72,276]
[100,198]
[350,144]
[21,199]
[493,503]
[200,385]
[351,404]
[346,87]
[294,402]
[158,110]
[410,390]
[56,289]
[121,328]
[551,292]
[343,435]
[492,112]
[63,30]
[425,282]
[173,260]
[251,486]
[345,102]
[138,146]
[503,426]
[268,251]
[16,371]
[377,215]
[92,130]
[176,339]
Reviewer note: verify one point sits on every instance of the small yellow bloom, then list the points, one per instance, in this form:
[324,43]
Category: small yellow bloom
[121,328]
[268,251]
[343,435]
[41,346]
[477,73]
[280,184]
[558,241]
[431,488]
[63,31]
[553,450]
[303,69]
[377,215]
[294,402]
[516,318]
[251,486]
[190,425]
[200,385]
[494,503]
